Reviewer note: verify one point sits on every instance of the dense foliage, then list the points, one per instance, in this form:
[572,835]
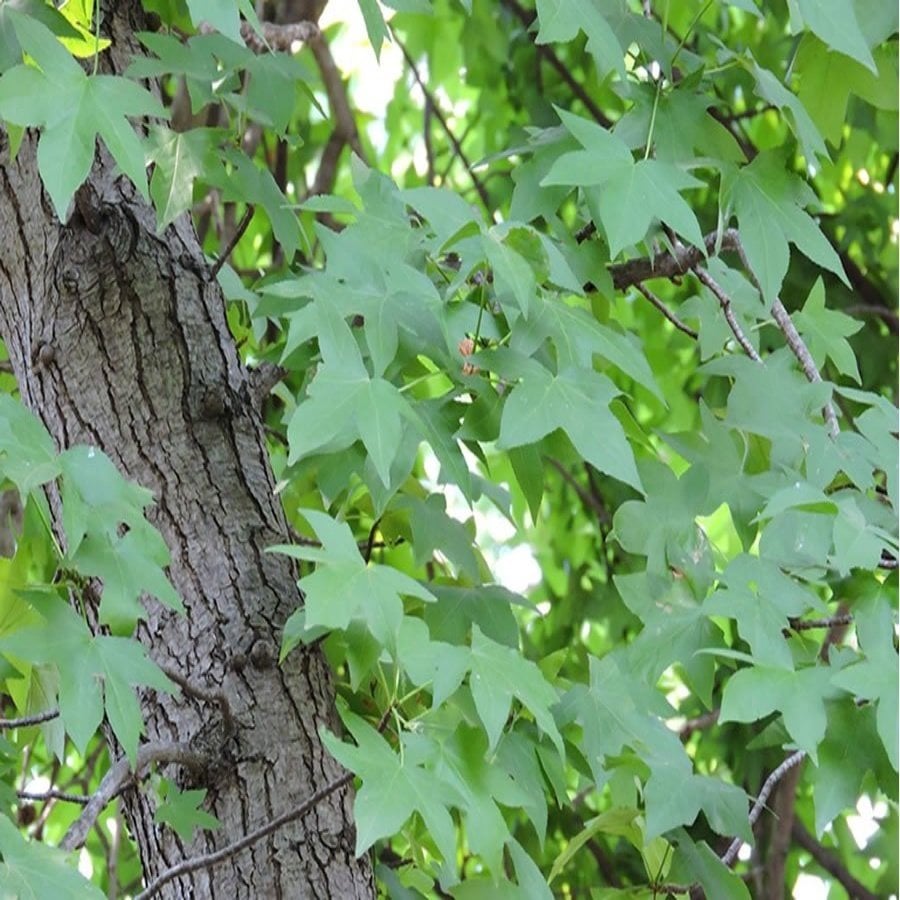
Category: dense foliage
[608,284]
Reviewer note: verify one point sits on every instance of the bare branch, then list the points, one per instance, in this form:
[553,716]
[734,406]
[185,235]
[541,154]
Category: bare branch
[545,51]
[889,316]
[634,271]
[25,721]
[801,351]
[232,243]
[809,624]
[686,329]
[830,863]
[120,774]
[792,336]
[457,147]
[730,318]
[345,122]
[585,496]
[793,760]
[698,724]
[210,859]
[53,794]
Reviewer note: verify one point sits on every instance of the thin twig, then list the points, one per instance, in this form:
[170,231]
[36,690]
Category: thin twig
[830,863]
[210,859]
[118,775]
[686,329]
[748,113]
[793,760]
[889,316]
[54,794]
[698,724]
[457,147]
[25,721]
[585,496]
[809,624]
[728,311]
[232,243]
[801,351]
[527,19]
[792,336]
[370,542]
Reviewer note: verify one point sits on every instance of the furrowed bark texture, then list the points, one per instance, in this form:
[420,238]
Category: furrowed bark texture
[117,340]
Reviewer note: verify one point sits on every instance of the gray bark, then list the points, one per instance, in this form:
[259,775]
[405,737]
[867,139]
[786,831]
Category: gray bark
[118,340]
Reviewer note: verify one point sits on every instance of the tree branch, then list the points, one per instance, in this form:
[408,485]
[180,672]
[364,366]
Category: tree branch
[697,724]
[119,775]
[686,329]
[54,794]
[728,311]
[25,721]
[666,265]
[210,859]
[457,147]
[232,243]
[586,498]
[527,18]
[801,351]
[830,863]
[793,760]
[808,624]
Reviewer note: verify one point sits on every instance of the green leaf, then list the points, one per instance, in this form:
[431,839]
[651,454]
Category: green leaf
[343,588]
[10,12]
[561,21]
[81,108]
[29,455]
[754,693]
[224,17]
[838,27]
[179,158]
[773,91]
[674,796]
[96,672]
[128,567]
[375,27]
[826,332]
[628,195]
[33,869]
[180,810]
[512,273]
[618,710]
[500,673]
[392,789]
[769,204]
[874,678]
[761,599]
[428,662]
[696,862]
[851,749]
[578,337]
[578,402]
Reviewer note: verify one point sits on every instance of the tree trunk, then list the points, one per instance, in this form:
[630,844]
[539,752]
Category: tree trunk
[118,339]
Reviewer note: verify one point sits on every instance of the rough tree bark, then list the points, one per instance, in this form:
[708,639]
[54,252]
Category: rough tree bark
[117,339]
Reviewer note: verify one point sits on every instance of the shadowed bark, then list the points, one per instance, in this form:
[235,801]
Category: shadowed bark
[117,339]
